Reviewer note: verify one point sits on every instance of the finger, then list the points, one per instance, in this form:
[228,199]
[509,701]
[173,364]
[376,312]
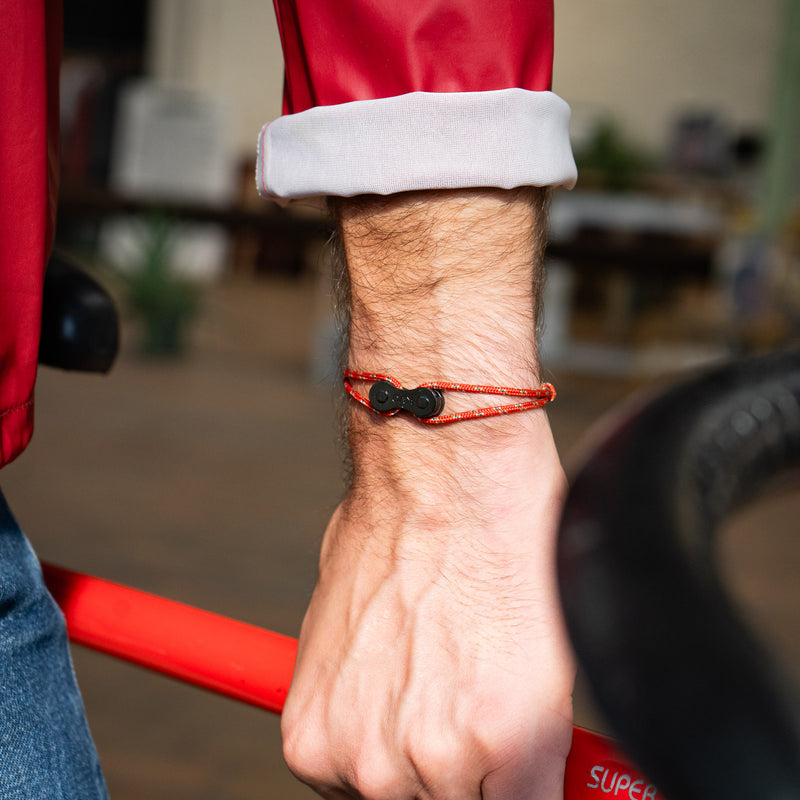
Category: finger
[536,772]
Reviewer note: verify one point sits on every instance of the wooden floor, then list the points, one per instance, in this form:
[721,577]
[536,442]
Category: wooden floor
[210,480]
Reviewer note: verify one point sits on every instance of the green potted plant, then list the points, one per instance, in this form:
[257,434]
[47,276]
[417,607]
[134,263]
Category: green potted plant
[164,303]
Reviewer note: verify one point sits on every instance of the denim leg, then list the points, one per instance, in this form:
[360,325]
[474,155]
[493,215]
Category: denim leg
[46,750]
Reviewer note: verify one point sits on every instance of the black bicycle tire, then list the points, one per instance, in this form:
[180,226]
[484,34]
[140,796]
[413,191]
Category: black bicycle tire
[681,680]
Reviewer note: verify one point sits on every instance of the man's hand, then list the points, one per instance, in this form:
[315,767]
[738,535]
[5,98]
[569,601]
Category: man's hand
[433,662]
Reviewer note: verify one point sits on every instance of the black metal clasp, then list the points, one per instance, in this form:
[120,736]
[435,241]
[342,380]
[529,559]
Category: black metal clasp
[422,402]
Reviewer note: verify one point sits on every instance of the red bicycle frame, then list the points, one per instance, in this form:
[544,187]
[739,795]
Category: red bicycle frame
[255,666]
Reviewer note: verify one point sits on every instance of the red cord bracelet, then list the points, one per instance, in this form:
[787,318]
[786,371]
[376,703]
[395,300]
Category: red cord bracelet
[388,397]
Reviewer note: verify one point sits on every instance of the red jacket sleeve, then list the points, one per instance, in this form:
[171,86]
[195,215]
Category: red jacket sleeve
[30,53]
[385,96]
[355,50]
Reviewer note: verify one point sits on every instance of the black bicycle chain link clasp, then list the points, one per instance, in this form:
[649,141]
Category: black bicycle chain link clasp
[422,402]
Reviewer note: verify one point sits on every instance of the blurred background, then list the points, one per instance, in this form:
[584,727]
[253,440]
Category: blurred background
[205,466]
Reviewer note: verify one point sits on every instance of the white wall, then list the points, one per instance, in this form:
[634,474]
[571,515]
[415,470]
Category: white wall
[230,48]
[643,60]
[646,60]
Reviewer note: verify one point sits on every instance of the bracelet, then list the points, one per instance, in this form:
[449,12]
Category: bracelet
[388,397]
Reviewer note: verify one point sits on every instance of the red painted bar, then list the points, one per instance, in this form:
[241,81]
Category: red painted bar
[255,665]
[217,653]
[596,768]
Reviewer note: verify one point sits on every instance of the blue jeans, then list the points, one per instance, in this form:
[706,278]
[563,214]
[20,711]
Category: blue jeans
[46,750]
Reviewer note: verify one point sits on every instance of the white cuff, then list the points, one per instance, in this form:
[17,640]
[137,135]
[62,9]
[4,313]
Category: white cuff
[423,140]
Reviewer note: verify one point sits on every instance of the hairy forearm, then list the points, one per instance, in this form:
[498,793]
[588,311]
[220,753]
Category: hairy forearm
[446,281]
[444,286]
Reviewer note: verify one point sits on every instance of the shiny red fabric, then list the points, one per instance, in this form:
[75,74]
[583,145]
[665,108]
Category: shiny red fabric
[30,53]
[358,50]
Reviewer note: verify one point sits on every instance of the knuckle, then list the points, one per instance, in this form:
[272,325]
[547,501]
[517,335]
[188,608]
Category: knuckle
[436,759]
[304,753]
[342,761]
[375,779]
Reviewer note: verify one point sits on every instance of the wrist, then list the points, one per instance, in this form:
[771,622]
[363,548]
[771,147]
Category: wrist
[479,472]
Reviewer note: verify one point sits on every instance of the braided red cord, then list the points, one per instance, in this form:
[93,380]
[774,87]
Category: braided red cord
[539,397]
